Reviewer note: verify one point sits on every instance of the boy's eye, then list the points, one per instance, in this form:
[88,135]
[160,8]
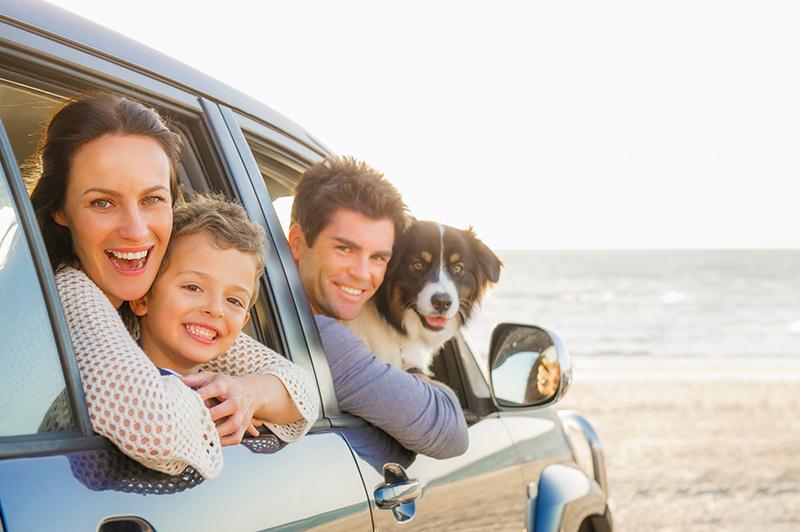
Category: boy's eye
[101,203]
[236,302]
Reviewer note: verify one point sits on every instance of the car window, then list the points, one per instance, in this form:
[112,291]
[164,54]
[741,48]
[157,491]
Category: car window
[280,173]
[29,363]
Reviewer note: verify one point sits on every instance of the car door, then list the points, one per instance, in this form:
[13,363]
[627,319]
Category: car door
[72,479]
[482,486]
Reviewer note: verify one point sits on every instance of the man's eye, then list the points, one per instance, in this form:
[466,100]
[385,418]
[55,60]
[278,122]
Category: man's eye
[457,268]
[344,249]
[417,265]
[101,203]
[152,200]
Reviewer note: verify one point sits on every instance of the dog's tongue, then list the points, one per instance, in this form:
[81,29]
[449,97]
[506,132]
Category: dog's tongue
[437,322]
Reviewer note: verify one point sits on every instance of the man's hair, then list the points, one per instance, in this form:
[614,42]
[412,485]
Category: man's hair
[225,223]
[345,183]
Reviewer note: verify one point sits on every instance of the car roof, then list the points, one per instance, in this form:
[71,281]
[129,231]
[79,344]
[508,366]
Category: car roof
[62,25]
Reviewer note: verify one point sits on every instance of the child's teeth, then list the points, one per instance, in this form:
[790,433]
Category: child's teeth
[201,331]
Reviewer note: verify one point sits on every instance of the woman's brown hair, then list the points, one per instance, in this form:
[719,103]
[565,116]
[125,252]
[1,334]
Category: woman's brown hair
[77,122]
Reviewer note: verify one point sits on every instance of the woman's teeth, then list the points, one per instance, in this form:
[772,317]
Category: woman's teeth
[134,260]
[132,255]
[201,331]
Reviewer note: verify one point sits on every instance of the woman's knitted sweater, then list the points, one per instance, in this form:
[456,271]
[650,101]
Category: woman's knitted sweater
[157,420]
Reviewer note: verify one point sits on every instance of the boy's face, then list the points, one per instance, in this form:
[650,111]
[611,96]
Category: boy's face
[198,304]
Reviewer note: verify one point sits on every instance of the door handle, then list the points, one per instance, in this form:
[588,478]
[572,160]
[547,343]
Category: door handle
[397,493]
[129,523]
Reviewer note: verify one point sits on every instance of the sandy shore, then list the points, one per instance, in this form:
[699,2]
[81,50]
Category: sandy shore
[696,445]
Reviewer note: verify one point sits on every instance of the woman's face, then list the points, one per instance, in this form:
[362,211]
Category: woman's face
[118,209]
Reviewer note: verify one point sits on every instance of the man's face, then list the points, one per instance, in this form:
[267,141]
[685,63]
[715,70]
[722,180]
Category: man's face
[346,264]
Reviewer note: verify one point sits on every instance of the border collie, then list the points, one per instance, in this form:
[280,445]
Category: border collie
[435,279]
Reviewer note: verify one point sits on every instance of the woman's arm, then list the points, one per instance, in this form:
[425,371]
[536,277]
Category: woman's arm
[157,421]
[284,395]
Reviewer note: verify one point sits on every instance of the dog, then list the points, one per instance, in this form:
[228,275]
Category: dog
[435,279]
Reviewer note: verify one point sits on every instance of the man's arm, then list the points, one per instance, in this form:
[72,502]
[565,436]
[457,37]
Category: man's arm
[423,417]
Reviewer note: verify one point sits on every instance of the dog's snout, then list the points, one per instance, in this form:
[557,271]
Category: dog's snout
[441,301]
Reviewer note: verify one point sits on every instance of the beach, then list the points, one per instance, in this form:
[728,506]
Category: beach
[708,444]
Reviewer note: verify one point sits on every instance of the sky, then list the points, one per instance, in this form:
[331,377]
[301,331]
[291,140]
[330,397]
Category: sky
[545,125]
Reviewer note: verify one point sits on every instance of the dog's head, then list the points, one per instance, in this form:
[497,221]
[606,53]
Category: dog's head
[437,275]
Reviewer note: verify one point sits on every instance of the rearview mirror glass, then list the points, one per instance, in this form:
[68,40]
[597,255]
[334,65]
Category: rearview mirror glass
[529,366]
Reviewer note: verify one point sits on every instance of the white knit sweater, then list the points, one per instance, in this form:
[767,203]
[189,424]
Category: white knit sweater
[157,420]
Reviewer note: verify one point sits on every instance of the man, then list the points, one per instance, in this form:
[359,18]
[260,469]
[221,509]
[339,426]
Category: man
[344,220]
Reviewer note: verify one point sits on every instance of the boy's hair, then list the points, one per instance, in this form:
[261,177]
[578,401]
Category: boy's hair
[345,183]
[225,223]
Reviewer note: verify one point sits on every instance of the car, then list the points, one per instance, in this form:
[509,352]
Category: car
[527,466]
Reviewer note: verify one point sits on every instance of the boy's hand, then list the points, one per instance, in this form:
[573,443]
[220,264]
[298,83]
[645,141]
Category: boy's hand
[232,402]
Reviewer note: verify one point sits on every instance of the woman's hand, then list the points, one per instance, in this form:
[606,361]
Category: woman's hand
[232,402]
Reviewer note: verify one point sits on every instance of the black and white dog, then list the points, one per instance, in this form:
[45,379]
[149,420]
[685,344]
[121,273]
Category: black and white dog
[435,279]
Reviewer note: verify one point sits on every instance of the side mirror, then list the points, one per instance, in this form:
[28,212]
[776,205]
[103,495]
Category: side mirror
[528,366]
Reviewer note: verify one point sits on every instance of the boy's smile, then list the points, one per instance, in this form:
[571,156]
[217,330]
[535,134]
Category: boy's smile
[197,305]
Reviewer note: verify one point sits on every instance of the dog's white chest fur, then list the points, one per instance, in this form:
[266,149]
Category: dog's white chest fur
[415,349]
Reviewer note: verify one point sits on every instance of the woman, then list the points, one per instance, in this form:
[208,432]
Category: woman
[106,183]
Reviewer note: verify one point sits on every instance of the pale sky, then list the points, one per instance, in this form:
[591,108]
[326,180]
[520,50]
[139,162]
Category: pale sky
[624,124]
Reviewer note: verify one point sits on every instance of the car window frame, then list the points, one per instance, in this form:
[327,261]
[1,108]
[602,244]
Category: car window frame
[39,442]
[66,72]
[297,323]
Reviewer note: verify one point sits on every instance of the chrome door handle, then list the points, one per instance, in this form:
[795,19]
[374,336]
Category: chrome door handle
[388,496]
[397,493]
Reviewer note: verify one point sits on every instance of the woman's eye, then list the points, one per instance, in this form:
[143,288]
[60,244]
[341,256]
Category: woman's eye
[457,268]
[152,200]
[417,266]
[101,203]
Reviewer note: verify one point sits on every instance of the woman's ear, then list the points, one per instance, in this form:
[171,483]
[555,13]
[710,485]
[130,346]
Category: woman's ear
[58,217]
[139,306]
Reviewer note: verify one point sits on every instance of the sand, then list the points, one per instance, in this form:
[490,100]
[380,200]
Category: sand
[696,445]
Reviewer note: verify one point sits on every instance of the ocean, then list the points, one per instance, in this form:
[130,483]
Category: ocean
[652,303]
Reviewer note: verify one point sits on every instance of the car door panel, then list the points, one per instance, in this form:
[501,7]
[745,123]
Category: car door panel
[479,490]
[311,483]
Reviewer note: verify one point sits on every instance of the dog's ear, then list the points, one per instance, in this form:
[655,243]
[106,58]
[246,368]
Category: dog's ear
[488,262]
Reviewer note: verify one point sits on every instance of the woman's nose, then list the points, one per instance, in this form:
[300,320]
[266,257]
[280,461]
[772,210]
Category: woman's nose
[134,226]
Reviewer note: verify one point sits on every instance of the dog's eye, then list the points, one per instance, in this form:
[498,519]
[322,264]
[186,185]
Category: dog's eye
[417,265]
[457,267]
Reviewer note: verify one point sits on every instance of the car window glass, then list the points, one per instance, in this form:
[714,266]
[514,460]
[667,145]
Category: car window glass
[31,380]
[280,174]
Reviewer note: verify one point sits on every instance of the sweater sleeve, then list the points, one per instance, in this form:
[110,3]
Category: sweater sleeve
[248,356]
[158,421]
[422,416]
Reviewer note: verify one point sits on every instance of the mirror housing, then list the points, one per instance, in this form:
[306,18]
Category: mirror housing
[528,366]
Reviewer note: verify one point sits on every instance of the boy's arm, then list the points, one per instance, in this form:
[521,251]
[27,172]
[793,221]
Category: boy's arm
[285,390]
[424,417]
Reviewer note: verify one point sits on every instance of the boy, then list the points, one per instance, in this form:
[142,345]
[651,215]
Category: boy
[195,311]
[205,286]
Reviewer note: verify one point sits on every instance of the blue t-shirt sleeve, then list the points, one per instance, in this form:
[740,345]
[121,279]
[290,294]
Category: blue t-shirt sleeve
[421,416]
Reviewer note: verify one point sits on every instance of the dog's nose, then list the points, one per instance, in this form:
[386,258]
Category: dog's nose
[441,301]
